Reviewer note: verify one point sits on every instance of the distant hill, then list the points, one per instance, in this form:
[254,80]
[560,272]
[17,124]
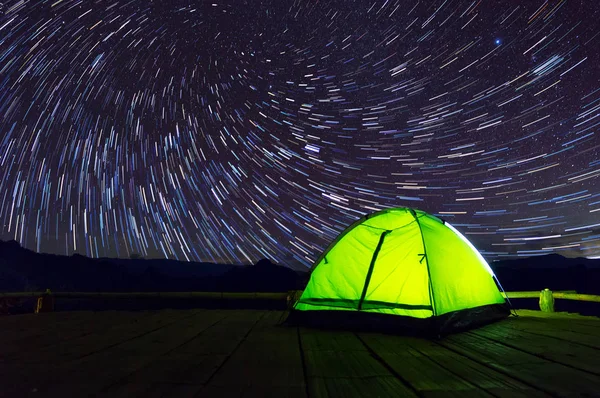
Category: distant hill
[552,271]
[24,270]
[264,276]
[547,261]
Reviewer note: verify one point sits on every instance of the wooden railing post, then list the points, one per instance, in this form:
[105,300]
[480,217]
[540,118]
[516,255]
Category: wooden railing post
[45,303]
[546,300]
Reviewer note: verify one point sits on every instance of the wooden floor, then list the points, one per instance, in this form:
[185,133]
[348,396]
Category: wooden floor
[222,353]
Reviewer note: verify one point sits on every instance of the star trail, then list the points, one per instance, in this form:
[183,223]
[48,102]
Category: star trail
[230,131]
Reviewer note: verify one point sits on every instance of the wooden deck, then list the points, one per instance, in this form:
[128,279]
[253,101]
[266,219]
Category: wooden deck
[222,353]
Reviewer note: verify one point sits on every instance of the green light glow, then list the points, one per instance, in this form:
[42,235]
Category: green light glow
[485,263]
[389,263]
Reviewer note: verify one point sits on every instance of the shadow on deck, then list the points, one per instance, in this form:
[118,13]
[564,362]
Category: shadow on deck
[219,353]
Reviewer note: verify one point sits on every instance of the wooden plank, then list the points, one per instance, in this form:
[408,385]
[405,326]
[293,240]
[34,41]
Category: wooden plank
[36,337]
[433,370]
[258,391]
[563,321]
[181,353]
[566,332]
[24,332]
[424,375]
[592,321]
[192,363]
[492,381]
[552,378]
[15,380]
[15,327]
[551,348]
[48,367]
[348,387]
[269,356]
[96,373]
[160,390]
[38,368]
[110,334]
[339,364]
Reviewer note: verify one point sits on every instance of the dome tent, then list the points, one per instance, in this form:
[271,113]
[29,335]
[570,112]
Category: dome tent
[400,269]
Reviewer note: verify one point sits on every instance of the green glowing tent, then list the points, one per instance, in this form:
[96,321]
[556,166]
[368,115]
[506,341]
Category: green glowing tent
[400,269]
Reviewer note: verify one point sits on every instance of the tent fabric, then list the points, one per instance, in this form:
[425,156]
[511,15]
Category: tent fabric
[402,262]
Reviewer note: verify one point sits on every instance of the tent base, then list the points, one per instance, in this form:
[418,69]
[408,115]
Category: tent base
[433,327]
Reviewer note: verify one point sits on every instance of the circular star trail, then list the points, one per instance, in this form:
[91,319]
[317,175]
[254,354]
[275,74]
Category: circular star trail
[231,131]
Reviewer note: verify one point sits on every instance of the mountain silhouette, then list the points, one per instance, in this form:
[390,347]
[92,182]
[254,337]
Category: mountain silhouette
[22,269]
[264,276]
[551,271]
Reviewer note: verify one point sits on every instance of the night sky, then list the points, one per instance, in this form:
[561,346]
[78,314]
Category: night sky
[234,130]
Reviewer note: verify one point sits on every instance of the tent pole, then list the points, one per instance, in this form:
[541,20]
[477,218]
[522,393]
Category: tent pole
[512,309]
[370,271]
[431,296]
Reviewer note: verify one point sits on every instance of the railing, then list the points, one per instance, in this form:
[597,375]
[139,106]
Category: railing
[45,300]
[547,297]
[564,295]
[135,295]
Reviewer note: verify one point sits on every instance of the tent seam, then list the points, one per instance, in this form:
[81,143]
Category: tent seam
[431,295]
